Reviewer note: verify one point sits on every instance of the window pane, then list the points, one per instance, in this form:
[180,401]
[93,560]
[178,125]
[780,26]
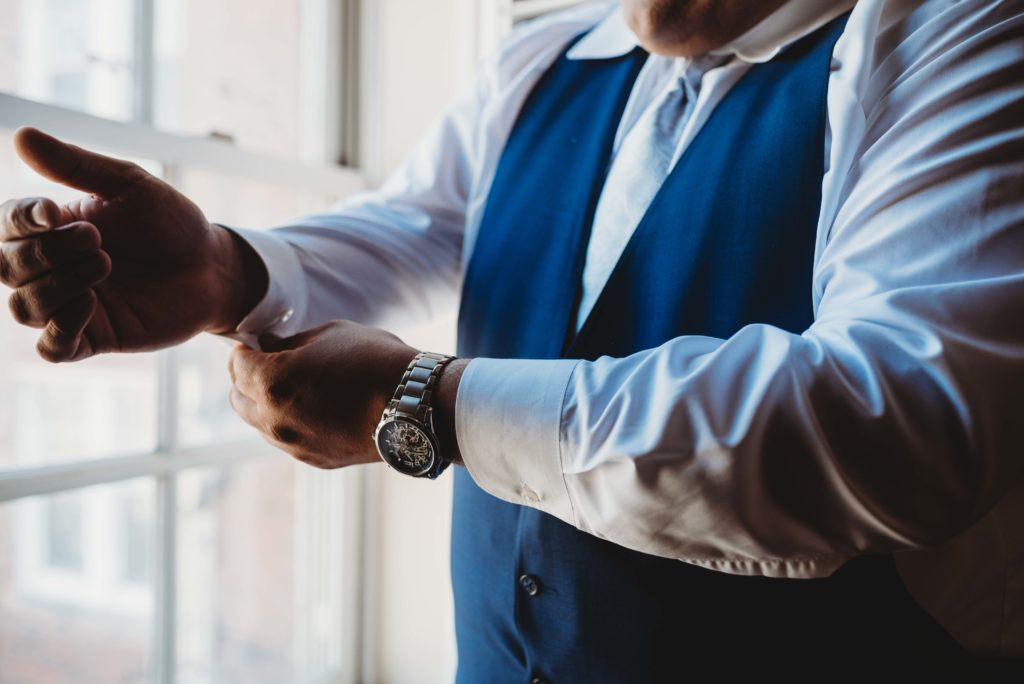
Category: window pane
[74,53]
[68,610]
[206,416]
[247,203]
[230,67]
[236,584]
[97,408]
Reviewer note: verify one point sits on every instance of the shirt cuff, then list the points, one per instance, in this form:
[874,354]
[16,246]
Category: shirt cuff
[282,307]
[508,415]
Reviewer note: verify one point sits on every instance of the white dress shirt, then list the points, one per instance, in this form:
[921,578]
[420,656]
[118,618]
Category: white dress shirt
[681,450]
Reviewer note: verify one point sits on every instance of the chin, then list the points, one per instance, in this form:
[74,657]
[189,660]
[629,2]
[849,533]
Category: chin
[687,28]
[679,28]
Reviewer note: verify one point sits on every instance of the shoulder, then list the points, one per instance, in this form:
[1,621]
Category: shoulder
[899,47]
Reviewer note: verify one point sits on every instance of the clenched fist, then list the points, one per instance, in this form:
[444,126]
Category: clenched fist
[131,266]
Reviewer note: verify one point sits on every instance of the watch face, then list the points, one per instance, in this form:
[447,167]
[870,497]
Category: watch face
[406,446]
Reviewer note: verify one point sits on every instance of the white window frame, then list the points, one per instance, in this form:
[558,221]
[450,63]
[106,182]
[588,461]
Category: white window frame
[328,580]
[497,17]
[94,585]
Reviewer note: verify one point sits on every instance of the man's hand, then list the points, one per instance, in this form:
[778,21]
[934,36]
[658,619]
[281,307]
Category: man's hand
[132,266]
[320,394]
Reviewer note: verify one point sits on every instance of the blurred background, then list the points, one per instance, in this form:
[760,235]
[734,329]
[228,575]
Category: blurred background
[146,534]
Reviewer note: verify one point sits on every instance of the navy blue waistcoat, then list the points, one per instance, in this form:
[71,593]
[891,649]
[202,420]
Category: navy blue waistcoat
[727,241]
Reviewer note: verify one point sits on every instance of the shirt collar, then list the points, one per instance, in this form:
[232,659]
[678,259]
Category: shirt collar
[795,19]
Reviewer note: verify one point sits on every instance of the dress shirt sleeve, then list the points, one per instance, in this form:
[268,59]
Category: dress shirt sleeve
[892,423]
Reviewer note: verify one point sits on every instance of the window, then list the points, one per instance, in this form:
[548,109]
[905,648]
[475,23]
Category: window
[146,535]
[497,17]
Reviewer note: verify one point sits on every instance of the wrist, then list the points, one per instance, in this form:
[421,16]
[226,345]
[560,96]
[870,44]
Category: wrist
[241,276]
[416,432]
[444,408]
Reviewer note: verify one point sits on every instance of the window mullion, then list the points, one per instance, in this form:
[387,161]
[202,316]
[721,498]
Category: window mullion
[143,63]
[164,646]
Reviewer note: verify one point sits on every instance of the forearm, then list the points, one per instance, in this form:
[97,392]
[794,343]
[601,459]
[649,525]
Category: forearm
[768,453]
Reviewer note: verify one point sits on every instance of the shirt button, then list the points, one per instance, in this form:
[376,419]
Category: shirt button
[285,316]
[538,680]
[529,495]
[530,584]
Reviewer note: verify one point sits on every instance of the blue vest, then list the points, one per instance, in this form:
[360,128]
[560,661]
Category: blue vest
[728,241]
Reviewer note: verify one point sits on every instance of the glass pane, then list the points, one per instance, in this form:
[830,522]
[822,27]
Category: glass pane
[206,415]
[230,67]
[235,574]
[76,587]
[246,203]
[74,53]
[97,408]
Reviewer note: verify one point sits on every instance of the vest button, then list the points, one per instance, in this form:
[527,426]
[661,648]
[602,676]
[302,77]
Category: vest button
[538,680]
[530,584]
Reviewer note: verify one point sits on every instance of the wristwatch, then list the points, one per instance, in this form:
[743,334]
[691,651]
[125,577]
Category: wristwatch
[405,436]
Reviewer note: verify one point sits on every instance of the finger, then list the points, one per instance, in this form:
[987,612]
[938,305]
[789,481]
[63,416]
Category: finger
[73,166]
[22,261]
[35,303]
[246,408]
[253,372]
[62,339]
[29,216]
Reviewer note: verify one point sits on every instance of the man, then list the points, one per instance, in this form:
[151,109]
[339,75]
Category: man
[740,365]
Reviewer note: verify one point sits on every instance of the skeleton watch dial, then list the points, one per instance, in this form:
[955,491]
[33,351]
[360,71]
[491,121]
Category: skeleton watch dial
[405,446]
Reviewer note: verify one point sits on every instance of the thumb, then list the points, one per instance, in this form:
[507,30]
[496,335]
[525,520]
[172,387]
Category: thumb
[73,166]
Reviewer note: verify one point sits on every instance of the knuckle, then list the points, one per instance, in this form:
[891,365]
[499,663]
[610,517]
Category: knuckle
[273,376]
[280,391]
[285,434]
[132,169]
[60,329]
[309,459]
[21,215]
[34,256]
[18,305]
[132,172]
[50,349]
[7,213]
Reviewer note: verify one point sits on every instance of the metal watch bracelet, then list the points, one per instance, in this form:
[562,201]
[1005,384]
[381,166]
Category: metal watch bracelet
[419,382]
